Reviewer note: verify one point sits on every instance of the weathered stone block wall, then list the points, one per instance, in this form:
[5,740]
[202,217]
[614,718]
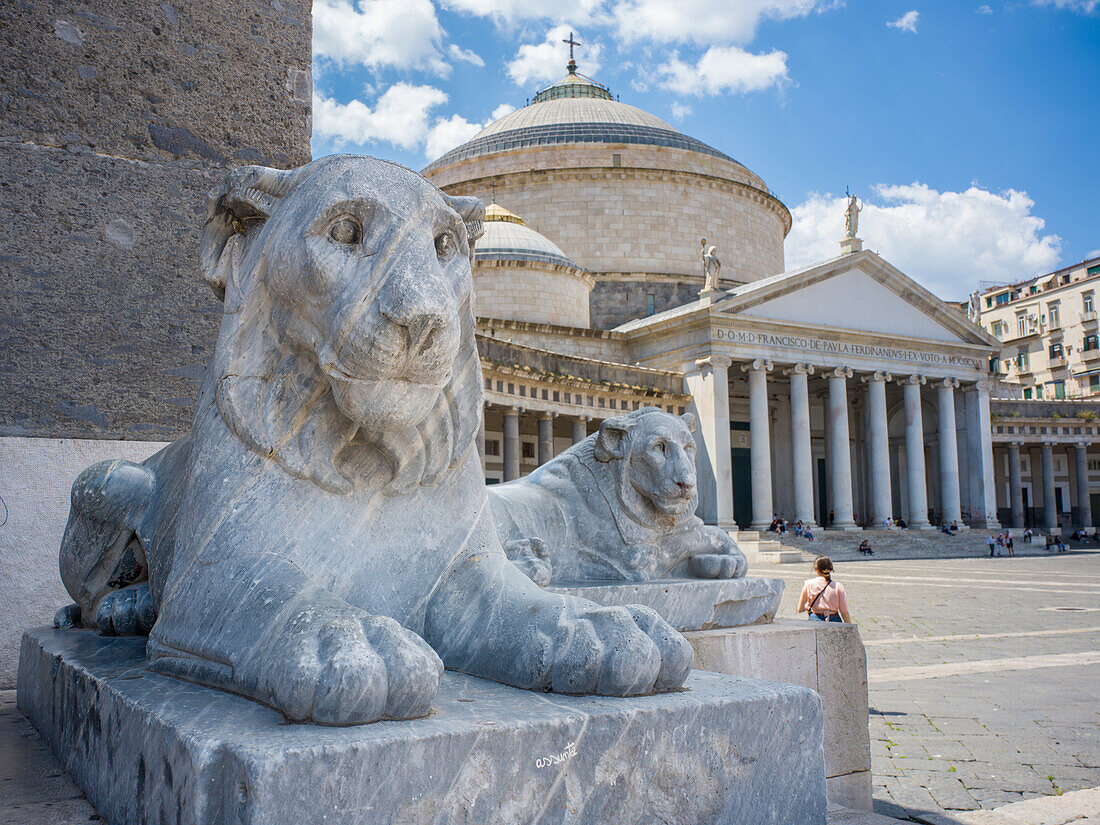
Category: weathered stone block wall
[534,292]
[591,343]
[620,299]
[646,214]
[118,117]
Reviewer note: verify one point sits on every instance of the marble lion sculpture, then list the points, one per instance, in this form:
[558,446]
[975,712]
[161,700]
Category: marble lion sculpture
[322,541]
[618,505]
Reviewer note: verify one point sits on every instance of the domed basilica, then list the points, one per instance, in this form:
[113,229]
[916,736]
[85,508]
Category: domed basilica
[626,264]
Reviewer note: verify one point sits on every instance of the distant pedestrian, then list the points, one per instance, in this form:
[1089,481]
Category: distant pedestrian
[823,599]
[1008,544]
[1027,535]
[992,542]
[865,548]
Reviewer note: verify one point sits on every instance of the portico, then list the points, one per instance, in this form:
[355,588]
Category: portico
[865,399]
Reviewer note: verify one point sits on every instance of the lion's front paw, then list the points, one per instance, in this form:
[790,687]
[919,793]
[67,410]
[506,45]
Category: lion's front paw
[530,556]
[619,651]
[718,565]
[128,611]
[347,667]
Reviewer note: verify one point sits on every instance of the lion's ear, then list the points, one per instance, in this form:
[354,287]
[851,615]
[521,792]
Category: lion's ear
[690,421]
[244,199]
[472,212]
[611,439]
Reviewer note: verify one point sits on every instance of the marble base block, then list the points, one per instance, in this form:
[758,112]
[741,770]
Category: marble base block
[147,748]
[691,604]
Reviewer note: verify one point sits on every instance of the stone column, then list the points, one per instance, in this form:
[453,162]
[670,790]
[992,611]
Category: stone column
[546,438]
[709,389]
[760,454]
[580,429]
[914,453]
[950,495]
[1050,512]
[802,459]
[511,444]
[841,480]
[1015,485]
[979,445]
[878,445]
[1084,502]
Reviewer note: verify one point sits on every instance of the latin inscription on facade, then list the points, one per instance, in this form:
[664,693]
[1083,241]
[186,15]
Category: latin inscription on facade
[801,342]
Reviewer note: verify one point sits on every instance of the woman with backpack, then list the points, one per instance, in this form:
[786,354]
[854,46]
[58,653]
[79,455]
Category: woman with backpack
[823,598]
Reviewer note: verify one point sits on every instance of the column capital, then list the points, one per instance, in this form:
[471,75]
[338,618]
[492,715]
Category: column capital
[548,415]
[512,410]
[983,386]
[714,361]
[948,383]
[1016,444]
[878,375]
[838,372]
[757,364]
[915,378]
[584,417]
[799,369]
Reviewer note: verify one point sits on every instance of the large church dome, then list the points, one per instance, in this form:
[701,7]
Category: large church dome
[624,194]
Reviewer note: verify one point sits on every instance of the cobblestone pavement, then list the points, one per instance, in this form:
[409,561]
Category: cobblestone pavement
[984,677]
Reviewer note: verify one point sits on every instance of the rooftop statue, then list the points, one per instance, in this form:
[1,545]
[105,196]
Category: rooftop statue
[851,217]
[321,540]
[712,267]
[619,505]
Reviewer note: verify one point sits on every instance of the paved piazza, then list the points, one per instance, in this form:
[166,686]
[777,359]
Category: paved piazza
[984,677]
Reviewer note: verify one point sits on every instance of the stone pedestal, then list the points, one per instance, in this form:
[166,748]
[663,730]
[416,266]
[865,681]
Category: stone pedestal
[147,748]
[824,656]
[691,604]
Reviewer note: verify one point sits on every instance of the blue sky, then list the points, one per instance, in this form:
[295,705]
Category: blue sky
[970,130]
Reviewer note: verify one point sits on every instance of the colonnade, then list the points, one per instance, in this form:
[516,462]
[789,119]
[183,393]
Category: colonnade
[1079,454]
[510,446]
[709,387]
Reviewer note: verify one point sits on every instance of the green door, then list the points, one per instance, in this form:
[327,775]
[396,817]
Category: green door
[742,486]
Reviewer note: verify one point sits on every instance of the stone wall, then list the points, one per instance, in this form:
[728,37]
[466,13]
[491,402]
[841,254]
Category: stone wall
[645,215]
[118,117]
[618,299]
[539,293]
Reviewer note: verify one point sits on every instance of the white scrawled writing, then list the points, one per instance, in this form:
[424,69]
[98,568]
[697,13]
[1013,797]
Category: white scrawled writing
[841,348]
[557,758]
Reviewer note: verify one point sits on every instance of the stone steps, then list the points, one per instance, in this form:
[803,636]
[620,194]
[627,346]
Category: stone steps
[765,550]
[915,544]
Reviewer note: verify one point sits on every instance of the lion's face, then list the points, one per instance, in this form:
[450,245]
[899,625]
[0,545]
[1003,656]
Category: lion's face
[353,270]
[655,453]
[369,267]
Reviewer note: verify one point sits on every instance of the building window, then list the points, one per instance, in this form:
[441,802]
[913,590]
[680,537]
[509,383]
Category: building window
[523,390]
[1056,350]
[1003,298]
[1021,325]
[650,304]
[1023,362]
[1091,342]
[1094,383]
[1032,289]
[989,303]
[1059,389]
[528,449]
[1039,394]
[1092,270]
[1053,318]
[616,160]
[492,446]
[998,330]
[1086,299]
[557,395]
[1027,393]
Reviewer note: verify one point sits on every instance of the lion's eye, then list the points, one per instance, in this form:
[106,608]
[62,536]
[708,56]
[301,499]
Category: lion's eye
[346,231]
[661,447]
[445,245]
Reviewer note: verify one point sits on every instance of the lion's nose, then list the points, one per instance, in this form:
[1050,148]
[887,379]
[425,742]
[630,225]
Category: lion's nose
[685,487]
[420,325]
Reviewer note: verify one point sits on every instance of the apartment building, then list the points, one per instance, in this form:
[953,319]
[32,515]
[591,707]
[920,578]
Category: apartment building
[1050,329]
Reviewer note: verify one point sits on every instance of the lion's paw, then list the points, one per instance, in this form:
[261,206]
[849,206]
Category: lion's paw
[347,667]
[619,651]
[128,611]
[530,556]
[718,565]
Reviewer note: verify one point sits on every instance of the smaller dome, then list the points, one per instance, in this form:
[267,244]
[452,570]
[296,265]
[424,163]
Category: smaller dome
[574,85]
[508,238]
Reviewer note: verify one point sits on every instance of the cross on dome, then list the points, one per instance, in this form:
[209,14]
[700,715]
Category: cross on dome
[571,67]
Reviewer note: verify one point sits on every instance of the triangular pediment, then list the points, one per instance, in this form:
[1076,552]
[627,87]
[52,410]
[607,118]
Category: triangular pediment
[859,292]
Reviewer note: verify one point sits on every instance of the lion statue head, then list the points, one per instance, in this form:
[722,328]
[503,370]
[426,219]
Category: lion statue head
[347,348]
[653,454]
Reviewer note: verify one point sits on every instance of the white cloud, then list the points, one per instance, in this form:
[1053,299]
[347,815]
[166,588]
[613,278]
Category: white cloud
[984,9]
[707,22]
[948,241]
[509,12]
[465,55]
[400,117]
[724,69]
[502,110]
[1093,254]
[403,34]
[545,61]
[1079,6]
[907,22]
[680,110]
[447,134]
